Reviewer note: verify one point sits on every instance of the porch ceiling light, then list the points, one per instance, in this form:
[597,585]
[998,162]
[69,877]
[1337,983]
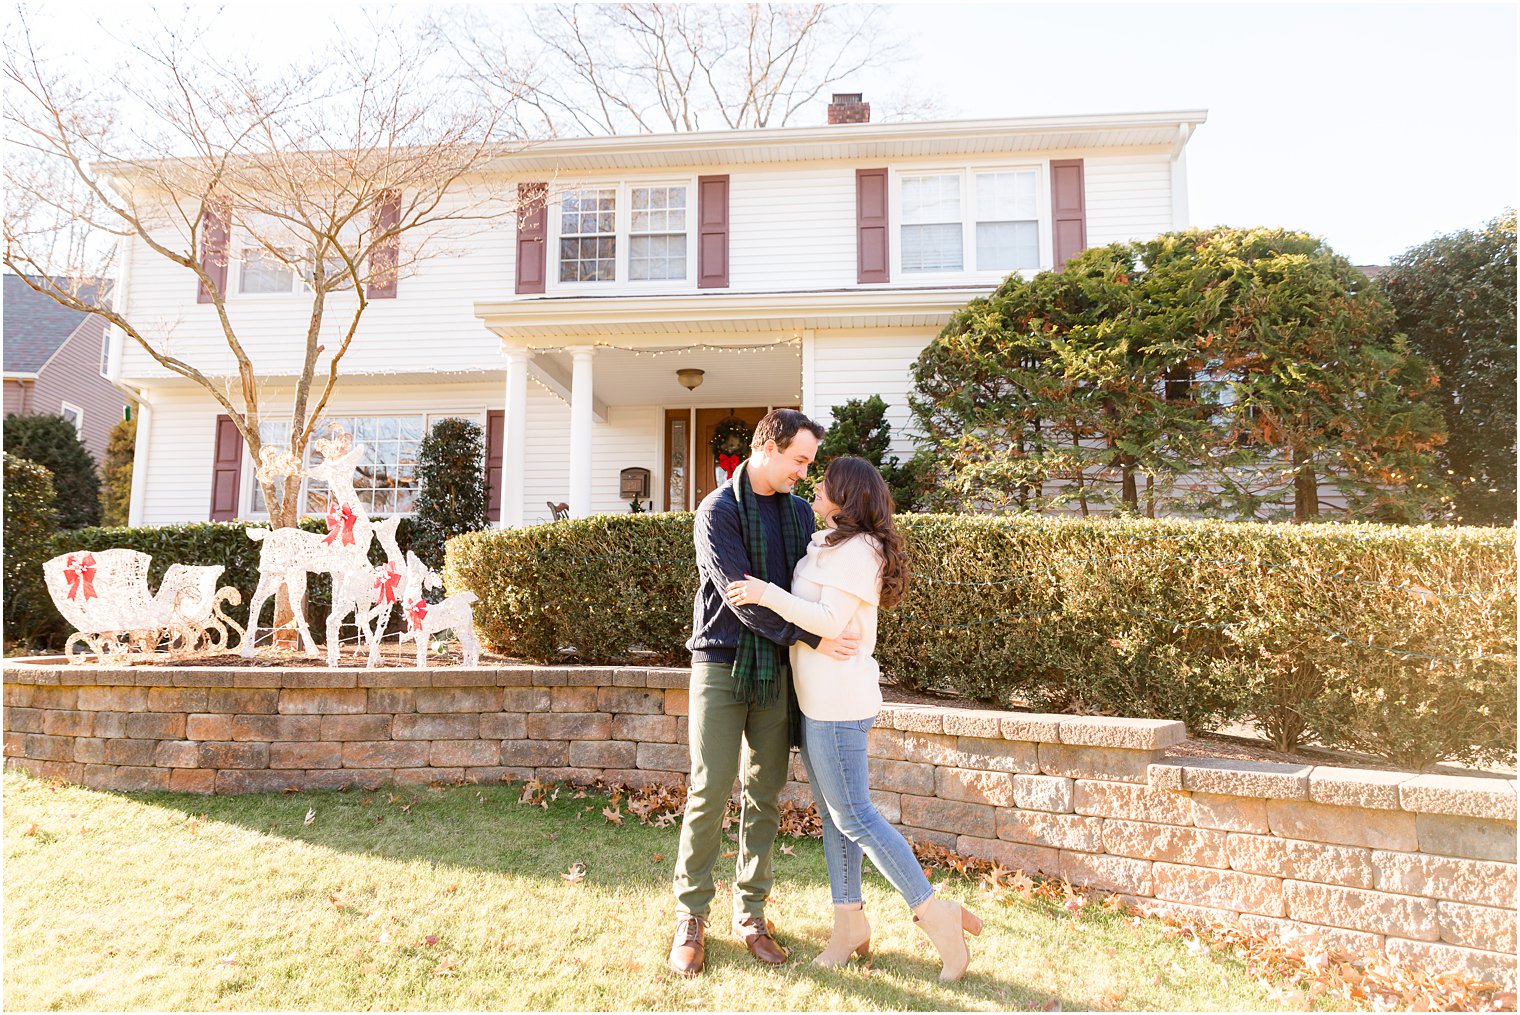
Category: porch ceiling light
[690,378]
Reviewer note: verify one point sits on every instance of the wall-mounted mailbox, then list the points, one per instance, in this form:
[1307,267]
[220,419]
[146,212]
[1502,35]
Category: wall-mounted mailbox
[635,483]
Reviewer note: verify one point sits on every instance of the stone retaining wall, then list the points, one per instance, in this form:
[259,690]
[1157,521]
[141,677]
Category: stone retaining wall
[1420,866]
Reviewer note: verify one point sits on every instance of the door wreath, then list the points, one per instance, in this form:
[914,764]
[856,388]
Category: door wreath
[730,441]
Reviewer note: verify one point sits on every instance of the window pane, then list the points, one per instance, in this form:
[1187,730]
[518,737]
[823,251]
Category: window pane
[931,248]
[273,434]
[263,274]
[1004,246]
[1005,196]
[657,257]
[931,198]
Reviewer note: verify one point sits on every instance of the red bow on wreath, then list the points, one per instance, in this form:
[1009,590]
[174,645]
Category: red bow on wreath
[386,584]
[80,572]
[728,463]
[416,613]
[340,519]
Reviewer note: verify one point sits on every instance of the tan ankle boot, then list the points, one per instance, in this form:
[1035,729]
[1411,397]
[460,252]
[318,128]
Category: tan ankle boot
[851,938]
[945,922]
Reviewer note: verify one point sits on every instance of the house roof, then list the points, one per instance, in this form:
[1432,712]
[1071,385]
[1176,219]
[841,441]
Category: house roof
[35,325]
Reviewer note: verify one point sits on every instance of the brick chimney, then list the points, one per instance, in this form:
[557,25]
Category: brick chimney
[847,108]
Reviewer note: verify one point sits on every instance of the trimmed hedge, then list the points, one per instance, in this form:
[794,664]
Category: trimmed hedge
[1208,622]
[31,519]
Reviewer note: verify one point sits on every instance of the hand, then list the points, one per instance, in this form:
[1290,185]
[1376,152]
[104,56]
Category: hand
[748,592]
[843,647]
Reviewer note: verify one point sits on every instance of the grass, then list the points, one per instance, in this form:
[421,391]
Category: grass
[455,899]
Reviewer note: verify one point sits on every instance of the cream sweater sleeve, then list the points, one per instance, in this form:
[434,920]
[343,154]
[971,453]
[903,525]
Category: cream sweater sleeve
[849,574]
[826,618]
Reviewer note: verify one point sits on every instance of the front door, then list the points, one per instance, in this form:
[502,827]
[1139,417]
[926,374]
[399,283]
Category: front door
[706,480]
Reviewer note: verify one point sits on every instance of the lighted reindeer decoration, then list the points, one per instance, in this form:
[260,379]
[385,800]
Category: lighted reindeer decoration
[367,593]
[425,619]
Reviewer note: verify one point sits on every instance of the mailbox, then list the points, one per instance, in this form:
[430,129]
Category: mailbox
[635,483]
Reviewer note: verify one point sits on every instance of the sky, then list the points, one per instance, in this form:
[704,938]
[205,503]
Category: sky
[1375,126]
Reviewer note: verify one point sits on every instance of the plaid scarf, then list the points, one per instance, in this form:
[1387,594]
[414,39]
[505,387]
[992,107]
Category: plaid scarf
[759,663]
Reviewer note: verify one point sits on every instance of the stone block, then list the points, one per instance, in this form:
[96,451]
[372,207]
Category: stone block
[677,701]
[544,676]
[111,724]
[503,726]
[208,727]
[1198,847]
[1033,727]
[664,757]
[319,677]
[177,699]
[277,727]
[326,778]
[535,753]
[526,699]
[902,777]
[391,700]
[637,700]
[205,676]
[1358,909]
[1129,734]
[494,774]
[62,697]
[135,779]
[1346,826]
[1043,793]
[603,754]
[1162,775]
[1114,764]
[156,725]
[458,699]
[572,776]
[356,727]
[436,726]
[177,754]
[667,677]
[114,699]
[625,676]
[1492,799]
[1107,873]
[464,753]
[885,744]
[572,699]
[305,755]
[984,724]
[1475,838]
[795,794]
[1219,889]
[948,840]
[130,752]
[87,750]
[257,678]
[681,729]
[995,788]
[323,701]
[969,752]
[385,754]
[257,781]
[1485,927]
[463,676]
[1057,831]
[1016,856]
[654,729]
[570,726]
[1485,967]
[1482,882]
[242,700]
[25,720]
[1350,866]
[215,754]
[638,778]
[192,780]
[67,723]
[952,816]
[1229,777]
[888,805]
[1230,813]
[913,718]
[1136,803]
[395,679]
[1356,787]
[17,695]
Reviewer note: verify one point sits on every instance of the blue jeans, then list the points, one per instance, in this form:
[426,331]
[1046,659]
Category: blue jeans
[834,754]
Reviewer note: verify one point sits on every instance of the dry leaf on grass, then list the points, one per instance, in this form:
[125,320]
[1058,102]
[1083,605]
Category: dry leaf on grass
[311,815]
[576,874]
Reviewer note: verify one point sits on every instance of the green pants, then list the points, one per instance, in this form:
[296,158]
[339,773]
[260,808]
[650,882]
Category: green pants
[717,725]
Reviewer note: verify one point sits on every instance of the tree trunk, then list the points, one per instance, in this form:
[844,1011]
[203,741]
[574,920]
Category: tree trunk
[1076,442]
[1131,492]
[1150,495]
[284,515]
[1305,489]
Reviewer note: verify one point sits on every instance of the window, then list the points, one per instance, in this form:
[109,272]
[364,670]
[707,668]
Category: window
[931,223]
[105,352]
[385,481]
[1007,222]
[261,272]
[588,235]
[74,414]
[657,234]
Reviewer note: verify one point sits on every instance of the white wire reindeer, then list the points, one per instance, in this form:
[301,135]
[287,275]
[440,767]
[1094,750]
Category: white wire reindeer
[425,619]
[367,593]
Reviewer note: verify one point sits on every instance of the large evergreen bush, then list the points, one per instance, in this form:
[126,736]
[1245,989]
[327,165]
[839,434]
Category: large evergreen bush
[53,443]
[452,498]
[30,521]
[116,473]
[860,428]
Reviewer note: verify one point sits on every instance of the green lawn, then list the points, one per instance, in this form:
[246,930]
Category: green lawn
[454,899]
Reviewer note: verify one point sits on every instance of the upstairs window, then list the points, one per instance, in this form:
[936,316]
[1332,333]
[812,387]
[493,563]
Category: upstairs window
[657,234]
[1007,222]
[969,220]
[931,223]
[588,235]
[260,272]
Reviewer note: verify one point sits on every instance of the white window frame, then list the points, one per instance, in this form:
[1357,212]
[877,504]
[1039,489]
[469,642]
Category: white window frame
[248,480]
[621,282]
[968,173]
[249,246]
[105,351]
[64,408]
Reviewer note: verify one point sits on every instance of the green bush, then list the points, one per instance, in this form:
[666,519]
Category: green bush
[30,521]
[1208,622]
[53,443]
[860,428]
[451,468]
[116,473]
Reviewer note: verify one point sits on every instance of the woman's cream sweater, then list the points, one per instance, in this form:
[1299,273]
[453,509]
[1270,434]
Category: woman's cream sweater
[834,589]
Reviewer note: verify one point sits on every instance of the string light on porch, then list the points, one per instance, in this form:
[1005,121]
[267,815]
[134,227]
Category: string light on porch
[697,347]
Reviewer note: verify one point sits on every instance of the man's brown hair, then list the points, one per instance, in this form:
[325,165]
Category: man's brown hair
[781,425]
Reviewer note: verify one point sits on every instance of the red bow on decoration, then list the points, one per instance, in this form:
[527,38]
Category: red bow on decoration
[416,613]
[80,572]
[340,518]
[728,463]
[386,584]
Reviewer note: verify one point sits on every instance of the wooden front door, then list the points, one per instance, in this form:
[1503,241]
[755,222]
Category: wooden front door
[705,478]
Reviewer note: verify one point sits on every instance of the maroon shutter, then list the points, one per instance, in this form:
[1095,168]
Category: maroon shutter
[532,231]
[712,232]
[496,424]
[383,255]
[226,468]
[871,246]
[215,225]
[1068,209]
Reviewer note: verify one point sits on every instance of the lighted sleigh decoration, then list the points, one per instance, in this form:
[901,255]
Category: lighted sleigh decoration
[105,597]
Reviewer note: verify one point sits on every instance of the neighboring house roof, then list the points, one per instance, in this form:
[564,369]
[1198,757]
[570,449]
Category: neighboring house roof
[36,325]
[1372,270]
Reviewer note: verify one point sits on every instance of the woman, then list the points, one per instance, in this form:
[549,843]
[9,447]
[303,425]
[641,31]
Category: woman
[851,567]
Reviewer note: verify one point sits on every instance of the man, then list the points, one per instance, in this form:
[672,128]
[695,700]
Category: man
[741,684]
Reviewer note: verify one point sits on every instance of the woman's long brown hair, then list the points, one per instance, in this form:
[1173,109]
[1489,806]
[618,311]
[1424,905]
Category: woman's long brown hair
[865,508]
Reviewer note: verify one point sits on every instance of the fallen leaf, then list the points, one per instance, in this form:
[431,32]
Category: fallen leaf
[445,968]
[575,874]
[311,815]
[658,857]
[613,816]
[730,854]
[368,969]
[31,829]
[451,889]
[430,939]
[788,850]
[227,962]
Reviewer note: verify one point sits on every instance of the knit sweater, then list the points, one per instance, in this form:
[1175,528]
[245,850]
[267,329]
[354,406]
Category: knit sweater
[834,589]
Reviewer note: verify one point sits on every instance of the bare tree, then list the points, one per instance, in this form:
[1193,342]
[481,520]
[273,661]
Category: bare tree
[643,68]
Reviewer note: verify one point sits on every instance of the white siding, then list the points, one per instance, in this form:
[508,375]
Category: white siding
[850,365]
[792,228]
[1129,197]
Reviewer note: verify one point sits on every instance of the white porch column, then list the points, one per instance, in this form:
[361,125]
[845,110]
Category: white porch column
[514,445]
[142,457]
[580,431]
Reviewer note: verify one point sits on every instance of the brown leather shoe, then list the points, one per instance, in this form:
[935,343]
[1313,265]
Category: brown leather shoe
[756,932]
[687,951]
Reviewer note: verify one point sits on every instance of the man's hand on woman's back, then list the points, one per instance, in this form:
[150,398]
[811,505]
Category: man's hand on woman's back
[843,647]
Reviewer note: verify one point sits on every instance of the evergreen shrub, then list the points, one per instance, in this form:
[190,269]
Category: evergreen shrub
[452,498]
[30,521]
[53,443]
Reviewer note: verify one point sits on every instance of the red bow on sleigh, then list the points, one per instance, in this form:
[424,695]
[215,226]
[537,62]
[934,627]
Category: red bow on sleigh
[80,572]
[728,463]
[386,584]
[340,519]
[416,613]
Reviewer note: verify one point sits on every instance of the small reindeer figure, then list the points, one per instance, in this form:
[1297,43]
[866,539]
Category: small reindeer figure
[365,591]
[424,619]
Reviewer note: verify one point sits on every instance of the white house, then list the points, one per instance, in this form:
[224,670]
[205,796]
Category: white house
[798,266]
